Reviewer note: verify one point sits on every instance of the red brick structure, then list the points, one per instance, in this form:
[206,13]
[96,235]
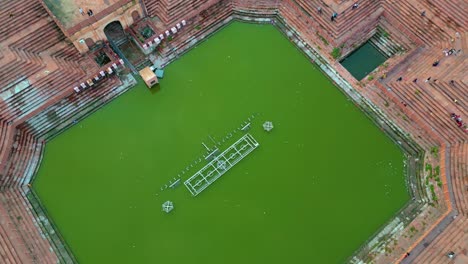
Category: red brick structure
[43,58]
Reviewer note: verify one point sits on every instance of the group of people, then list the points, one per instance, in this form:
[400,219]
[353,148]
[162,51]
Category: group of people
[90,12]
[334,14]
[448,52]
[459,121]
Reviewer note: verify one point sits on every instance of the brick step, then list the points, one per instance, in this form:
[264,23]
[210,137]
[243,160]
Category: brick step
[178,10]
[27,229]
[13,103]
[401,39]
[396,110]
[19,22]
[449,240]
[464,39]
[6,147]
[152,7]
[408,17]
[4,5]
[12,245]
[437,117]
[25,225]
[256,6]
[459,174]
[205,23]
[31,95]
[452,9]
[27,57]
[457,178]
[70,67]
[424,24]
[351,39]
[410,112]
[9,74]
[404,25]
[7,253]
[27,155]
[357,20]
[422,69]
[393,113]
[445,90]
[443,16]
[348,20]
[450,68]
[18,159]
[47,89]
[40,40]
[439,247]
[68,53]
[460,88]
[67,109]
[309,9]
[307,32]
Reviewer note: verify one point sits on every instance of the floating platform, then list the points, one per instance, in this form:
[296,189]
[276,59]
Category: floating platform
[221,164]
[149,77]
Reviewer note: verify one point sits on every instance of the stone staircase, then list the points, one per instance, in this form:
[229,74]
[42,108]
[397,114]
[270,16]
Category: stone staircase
[459,170]
[264,7]
[173,11]
[19,231]
[198,27]
[382,42]
[408,18]
[454,238]
[152,7]
[419,98]
[447,13]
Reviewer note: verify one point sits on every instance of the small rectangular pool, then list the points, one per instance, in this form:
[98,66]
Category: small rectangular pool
[363,60]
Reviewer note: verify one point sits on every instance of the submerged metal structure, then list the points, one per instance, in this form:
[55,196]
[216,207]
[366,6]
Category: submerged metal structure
[168,206]
[221,164]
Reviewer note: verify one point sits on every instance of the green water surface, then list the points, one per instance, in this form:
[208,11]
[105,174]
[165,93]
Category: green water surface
[320,183]
[363,60]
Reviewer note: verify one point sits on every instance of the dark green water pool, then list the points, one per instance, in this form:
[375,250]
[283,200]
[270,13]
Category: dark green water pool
[363,60]
[320,183]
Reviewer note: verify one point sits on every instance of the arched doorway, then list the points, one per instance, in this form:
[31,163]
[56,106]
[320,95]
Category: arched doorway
[120,43]
[115,33]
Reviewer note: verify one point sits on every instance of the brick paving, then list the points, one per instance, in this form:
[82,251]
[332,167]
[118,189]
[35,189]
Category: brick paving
[68,11]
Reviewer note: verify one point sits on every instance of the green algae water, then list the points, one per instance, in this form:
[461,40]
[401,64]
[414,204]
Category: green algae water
[363,60]
[320,183]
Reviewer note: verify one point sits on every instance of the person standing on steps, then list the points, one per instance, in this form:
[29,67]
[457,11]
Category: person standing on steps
[334,16]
